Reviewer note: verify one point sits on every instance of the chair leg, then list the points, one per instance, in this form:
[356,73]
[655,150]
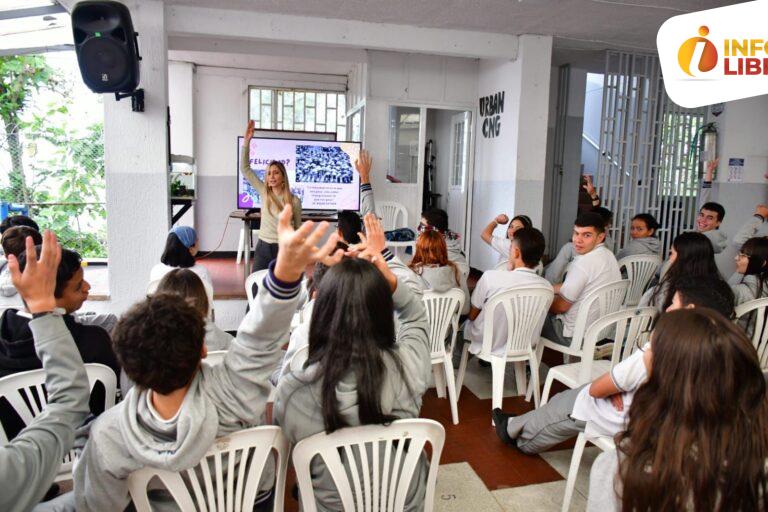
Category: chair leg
[451,384]
[462,370]
[573,471]
[498,365]
[240,244]
[539,351]
[439,375]
[547,386]
[535,382]
[520,377]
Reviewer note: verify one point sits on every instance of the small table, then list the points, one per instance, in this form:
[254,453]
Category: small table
[244,216]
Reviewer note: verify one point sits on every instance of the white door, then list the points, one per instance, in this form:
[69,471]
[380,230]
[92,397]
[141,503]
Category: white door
[458,166]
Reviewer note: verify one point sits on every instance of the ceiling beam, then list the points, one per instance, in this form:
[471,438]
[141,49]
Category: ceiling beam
[192,21]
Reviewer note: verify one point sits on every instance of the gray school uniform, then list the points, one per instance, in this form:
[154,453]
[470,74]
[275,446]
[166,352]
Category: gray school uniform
[638,246]
[221,399]
[745,287]
[31,461]
[603,495]
[298,404]
[754,227]
[442,279]
[718,239]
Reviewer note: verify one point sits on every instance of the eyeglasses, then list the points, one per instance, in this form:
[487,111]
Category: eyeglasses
[742,255]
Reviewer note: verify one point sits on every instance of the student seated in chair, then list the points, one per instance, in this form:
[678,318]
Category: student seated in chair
[30,462]
[503,244]
[180,404]
[17,345]
[642,231]
[593,266]
[601,408]
[557,268]
[524,255]
[708,222]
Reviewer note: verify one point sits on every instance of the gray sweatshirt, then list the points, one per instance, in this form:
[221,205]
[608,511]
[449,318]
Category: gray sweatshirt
[442,279]
[637,246]
[222,399]
[602,484]
[718,239]
[745,287]
[298,408]
[555,271]
[31,461]
[754,227]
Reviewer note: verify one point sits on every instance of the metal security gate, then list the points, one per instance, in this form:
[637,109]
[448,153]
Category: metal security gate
[645,163]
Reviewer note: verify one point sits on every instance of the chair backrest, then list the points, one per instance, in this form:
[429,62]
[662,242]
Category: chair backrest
[602,301]
[631,329]
[299,358]
[25,392]
[758,326]
[524,310]
[389,211]
[375,484]
[640,270]
[215,357]
[443,311]
[226,479]
[256,278]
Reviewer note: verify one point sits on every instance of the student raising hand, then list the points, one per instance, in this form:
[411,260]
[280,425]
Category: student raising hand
[38,281]
[371,246]
[363,166]
[298,248]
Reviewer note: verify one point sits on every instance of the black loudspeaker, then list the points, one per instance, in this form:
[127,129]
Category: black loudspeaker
[107,47]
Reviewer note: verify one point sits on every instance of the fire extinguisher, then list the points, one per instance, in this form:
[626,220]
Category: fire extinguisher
[707,151]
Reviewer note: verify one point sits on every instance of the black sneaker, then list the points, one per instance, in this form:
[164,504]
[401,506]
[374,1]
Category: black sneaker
[500,423]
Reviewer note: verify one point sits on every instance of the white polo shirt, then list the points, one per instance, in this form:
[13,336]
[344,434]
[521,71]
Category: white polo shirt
[501,245]
[601,416]
[586,273]
[491,283]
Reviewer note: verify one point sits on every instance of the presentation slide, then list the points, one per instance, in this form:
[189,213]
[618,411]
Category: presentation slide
[322,174]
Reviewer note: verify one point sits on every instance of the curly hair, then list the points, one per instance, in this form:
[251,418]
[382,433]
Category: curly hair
[159,342]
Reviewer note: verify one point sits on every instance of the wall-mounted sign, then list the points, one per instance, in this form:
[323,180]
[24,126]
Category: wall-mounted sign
[491,108]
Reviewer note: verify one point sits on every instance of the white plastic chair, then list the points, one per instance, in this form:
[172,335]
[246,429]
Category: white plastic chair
[393,215]
[443,311]
[25,392]
[207,487]
[604,443]
[758,326]
[384,484]
[524,310]
[640,270]
[215,357]
[629,329]
[299,358]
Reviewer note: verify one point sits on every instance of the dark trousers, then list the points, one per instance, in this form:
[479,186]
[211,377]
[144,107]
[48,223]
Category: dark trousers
[263,255]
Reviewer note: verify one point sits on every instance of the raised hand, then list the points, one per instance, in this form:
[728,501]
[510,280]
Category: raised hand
[501,218]
[762,210]
[363,165]
[709,173]
[38,281]
[298,248]
[249,131]
[589,186]
[374,238]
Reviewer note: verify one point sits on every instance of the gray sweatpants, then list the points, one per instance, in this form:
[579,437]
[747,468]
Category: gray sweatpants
[553,330]
[543,428]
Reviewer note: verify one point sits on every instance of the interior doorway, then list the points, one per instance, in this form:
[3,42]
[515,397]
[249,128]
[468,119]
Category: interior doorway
[447,165]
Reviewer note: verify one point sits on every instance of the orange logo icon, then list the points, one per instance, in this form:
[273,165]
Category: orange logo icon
[687,51]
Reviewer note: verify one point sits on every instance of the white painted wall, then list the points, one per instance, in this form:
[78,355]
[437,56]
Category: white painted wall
[741,134]
[411,80]
[135,154]
[510,168]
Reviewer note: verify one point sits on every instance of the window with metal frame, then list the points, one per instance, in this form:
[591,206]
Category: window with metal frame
[299,110]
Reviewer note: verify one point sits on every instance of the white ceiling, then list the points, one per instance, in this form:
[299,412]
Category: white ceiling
[576,24]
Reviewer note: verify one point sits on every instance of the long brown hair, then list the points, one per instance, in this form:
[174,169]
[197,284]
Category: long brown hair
[273,199]
[431,250]
[697,437]
[188,285]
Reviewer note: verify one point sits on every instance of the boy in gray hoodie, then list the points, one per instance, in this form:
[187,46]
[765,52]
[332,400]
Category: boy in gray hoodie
[30,462]
[180,404]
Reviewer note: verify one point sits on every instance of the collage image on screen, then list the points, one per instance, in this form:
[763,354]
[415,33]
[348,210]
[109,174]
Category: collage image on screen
[320,164]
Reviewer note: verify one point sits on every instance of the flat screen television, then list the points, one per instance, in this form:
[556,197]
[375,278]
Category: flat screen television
[321,173]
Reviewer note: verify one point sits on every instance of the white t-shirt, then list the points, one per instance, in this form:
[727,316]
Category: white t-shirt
[501,245]
[586,273]
[601,416]
[491,283]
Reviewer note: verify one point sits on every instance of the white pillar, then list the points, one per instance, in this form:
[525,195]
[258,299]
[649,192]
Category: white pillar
[136,164]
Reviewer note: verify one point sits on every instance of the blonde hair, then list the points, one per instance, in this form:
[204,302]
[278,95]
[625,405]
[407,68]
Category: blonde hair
[271,198]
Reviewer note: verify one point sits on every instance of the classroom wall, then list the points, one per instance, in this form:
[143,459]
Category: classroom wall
[742,129]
